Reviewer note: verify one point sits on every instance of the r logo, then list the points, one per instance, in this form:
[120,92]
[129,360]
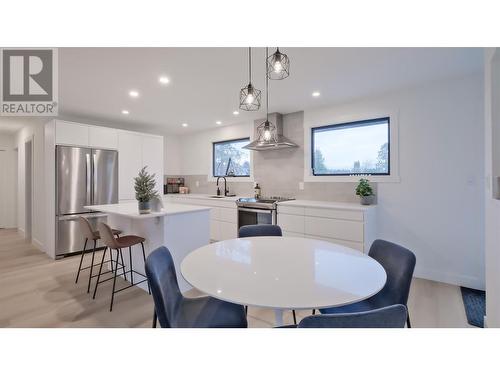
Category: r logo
[27,75]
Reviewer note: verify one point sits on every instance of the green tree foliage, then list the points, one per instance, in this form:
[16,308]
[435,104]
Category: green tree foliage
[145,186]
[364,188]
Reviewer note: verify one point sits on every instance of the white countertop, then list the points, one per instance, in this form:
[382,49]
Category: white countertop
[283,272]
[327,204]
[202,196]
[130,209]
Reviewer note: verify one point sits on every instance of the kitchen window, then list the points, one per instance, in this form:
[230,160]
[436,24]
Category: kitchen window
[229,158]
[353,148]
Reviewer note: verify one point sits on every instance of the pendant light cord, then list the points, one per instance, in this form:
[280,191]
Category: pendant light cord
[249,64]
[267,86]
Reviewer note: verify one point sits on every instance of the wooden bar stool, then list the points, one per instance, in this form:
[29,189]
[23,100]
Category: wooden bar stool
[118,244]
[90,234]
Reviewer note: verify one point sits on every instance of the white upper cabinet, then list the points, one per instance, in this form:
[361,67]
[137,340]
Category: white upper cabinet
[152,157]
[70,133]
[100,137]
[129,163]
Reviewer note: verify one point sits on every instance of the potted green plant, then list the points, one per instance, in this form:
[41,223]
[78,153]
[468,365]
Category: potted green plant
[145,190]
[365,191]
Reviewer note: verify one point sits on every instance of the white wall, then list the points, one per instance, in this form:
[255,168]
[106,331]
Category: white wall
[492,206]
[8,181]
[196,148]
[32,130]
[437,208]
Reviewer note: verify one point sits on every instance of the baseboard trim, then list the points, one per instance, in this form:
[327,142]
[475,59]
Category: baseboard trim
[449,278]
[37,244]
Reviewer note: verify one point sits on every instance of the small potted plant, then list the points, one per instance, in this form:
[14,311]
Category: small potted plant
[365,191]
[145,190]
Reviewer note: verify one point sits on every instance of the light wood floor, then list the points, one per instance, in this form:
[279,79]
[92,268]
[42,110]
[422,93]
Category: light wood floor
[36,291]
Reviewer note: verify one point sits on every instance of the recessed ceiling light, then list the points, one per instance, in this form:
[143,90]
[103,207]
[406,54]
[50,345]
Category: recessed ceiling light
[184,125]
[316,93]
[163,80]
[125,112]
[236,113]
[218,122]
[133,93]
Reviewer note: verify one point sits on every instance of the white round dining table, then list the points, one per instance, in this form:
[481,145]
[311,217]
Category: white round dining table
[283,273]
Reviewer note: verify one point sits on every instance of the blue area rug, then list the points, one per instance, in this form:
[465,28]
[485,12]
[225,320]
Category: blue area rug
[475,305]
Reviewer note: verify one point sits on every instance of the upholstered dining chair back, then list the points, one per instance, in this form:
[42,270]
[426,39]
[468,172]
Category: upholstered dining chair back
[387,317]
[399,264]
[86,228]
[107,236]
[259,230]
[160,270]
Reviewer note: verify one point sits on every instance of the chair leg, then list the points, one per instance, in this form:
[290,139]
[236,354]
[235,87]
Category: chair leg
[144,257]
[246,310]
[91,266]
[99,274]
[408,324]
[123,265]
[114,281]
[155,318]
[294,317]
[130,258]
[81,260]
[314,311]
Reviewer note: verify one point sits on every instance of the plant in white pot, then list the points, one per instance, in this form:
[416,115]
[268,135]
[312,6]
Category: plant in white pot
[365,191]
[145,190]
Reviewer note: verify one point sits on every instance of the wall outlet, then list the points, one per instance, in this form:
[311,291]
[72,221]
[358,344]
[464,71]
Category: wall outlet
[301,185]
[197,183]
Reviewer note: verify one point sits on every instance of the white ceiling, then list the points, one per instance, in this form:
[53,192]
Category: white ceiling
[205,82]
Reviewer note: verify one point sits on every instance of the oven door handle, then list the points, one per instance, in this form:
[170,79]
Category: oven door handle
[256,210]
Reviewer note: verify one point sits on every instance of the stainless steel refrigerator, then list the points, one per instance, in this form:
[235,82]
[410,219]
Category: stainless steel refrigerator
[84,177]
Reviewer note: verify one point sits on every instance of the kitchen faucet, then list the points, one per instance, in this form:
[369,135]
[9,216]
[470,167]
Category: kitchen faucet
[226,191]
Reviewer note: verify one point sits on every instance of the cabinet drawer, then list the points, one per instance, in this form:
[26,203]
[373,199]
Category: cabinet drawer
[227,214]
[291,223]
[333,228]
[290,210]
[334,214]
[227,230]
[292,234]
[351,244]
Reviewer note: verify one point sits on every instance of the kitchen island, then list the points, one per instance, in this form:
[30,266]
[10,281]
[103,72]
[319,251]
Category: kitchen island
[181,228]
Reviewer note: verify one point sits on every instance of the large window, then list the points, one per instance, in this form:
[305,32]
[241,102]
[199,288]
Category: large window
[354,148]
[229,158]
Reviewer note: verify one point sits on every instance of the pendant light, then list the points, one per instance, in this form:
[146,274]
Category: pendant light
[266,131]
[249,95]
[278,65]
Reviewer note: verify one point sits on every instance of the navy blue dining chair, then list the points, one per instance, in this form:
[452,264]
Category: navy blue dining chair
[262,230]
[386,317]
[399,264]
[173,310]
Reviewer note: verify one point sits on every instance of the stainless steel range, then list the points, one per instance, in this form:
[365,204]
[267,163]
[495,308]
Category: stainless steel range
[253,211]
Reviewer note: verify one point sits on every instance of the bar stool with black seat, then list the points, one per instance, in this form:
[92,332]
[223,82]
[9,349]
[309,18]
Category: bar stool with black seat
[93,235]
[113,243]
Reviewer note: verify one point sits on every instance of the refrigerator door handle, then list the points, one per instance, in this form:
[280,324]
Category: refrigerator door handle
[88,179]
[87,216]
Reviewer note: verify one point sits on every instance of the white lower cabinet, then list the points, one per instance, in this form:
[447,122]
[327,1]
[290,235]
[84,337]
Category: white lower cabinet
[353,227]
[223,215]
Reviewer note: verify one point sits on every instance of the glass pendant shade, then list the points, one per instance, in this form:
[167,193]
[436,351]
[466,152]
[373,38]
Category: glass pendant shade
[250,98]
[278,65]
[267,133]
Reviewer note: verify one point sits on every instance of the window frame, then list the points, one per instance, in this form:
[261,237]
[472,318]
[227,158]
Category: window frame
[352,124]
[214,143]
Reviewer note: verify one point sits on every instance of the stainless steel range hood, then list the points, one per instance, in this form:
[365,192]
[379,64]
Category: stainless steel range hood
[282,141]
